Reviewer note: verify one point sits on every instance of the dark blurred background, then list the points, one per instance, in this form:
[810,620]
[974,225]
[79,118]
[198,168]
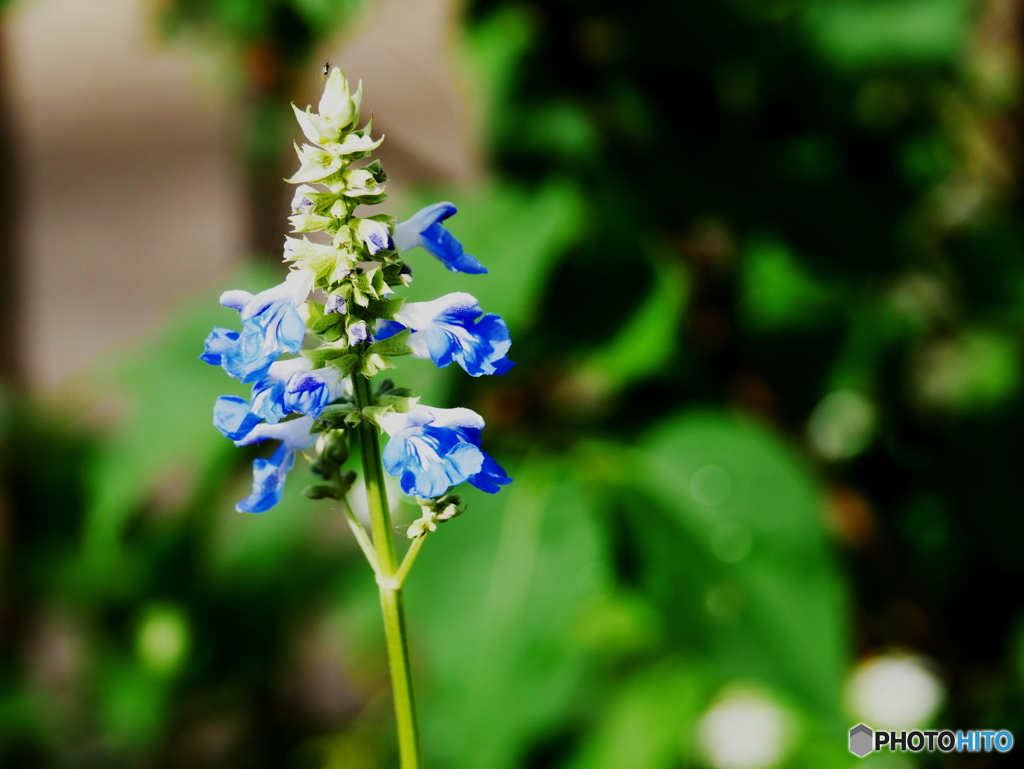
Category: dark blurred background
[764,267]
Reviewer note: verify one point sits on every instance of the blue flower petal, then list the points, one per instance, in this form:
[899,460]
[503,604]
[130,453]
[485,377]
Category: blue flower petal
[491,476]
[424,229]
[233,417]
[488,352]
[448,329]
[387,329]
[295,434]
[310,391]
[268,398]
[268,476]
[431,450]
[250,357]
[236,299]
[442,244]
[431,460]
[407,234]
[217,344]
[271,326]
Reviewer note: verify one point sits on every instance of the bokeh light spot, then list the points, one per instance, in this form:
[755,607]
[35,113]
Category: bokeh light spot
[162,639]
[745,730]
[731,542]
[842,425]
[711,485]
[894,691]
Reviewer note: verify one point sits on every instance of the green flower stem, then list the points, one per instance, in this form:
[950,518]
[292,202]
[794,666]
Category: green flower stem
[365,543]
[409,559]
[390,585]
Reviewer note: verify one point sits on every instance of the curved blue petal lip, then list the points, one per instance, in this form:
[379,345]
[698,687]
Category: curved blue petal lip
[268,481]
[442,244]
[233,417]
[217,345]
[387,329]
[424,229]
[491,476]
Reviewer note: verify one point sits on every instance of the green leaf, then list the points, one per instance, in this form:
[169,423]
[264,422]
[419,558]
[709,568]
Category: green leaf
[323,356]
[167,440]
[494,597]
[642,726]
[372,364]
[776,292]
[760,577]
[650,336]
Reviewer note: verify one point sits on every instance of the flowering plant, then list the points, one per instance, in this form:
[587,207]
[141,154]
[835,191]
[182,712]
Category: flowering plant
[321,398]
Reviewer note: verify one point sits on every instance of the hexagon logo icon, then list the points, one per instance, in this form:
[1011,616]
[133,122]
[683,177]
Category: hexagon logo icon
[861,740]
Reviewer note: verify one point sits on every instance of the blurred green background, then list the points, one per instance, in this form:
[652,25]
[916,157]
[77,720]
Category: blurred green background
[764,267]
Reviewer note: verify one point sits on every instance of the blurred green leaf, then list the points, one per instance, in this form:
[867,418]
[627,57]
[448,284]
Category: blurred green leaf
[773,604]
[492,50]
[861,33]
[976,370]
[650,336]
[644,725]
[776,290]
[131,707]
[498,669]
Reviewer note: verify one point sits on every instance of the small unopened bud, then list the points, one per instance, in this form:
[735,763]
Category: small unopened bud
[436,511]
[447,507]
[420,527]
[336,303]
[359,332]
[336,446]
[449,512]
[303,202]
[319,491]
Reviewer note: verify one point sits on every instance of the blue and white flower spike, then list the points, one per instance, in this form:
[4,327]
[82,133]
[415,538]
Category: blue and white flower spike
[269,474]
[321,399]
[451,328]
[433,449]
[424,229]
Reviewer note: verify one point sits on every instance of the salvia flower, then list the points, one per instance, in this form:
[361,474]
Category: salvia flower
[308,362]
[291,387]
[271,326]
[451,328]
[424,229]
[433,449]
[269,474]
